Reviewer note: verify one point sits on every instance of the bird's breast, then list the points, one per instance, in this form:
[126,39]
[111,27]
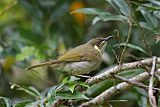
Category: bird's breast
[83,67]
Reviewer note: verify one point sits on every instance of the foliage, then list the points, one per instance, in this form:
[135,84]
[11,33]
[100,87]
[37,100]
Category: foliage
[33,31]
[65,90]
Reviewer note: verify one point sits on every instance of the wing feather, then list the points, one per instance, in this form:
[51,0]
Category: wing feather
[80,54]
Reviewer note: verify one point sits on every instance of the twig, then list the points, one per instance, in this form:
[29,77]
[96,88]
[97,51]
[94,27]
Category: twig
[119,46]
[57,103]
[152,98]
[143,36]
[135,83]
[7,7]
[106,95]
[116,56]
[120,68]
[128,38]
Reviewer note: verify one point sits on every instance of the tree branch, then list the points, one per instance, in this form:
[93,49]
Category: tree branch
[152,98]
[120,68]
[128,38]
[135,83]
[106,95]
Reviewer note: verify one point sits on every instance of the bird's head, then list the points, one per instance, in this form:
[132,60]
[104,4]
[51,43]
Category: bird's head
[99,43]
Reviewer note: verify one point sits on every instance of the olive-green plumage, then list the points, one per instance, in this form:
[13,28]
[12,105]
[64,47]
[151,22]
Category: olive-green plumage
[80,60]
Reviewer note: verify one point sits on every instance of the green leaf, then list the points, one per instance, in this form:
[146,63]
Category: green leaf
[71,86]
[25,53]
[52,94]
[84,84]
[92,11]
[131,73]
[70,79]
[37,103]
[68,95]
[149,6]
[59,87]
[104,16]
[142,102]
[70,82]
[120,5]
[155,2]
[30,90]
[157,14]
[145,25]
[21,104]
[109,17]
[133,46]
[150,19]
[33,89]
[7,101]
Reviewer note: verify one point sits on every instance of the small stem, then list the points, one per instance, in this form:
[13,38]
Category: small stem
[135,83]
[128,38]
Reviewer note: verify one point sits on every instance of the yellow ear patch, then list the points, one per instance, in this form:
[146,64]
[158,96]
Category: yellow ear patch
[96,47]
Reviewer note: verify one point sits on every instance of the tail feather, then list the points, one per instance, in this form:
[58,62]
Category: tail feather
[42,64]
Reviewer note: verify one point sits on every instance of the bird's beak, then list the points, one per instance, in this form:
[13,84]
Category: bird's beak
[107,38]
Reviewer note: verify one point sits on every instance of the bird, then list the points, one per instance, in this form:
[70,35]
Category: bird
[80,60]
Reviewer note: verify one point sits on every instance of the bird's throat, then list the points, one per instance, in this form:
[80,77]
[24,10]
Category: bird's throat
[97,48]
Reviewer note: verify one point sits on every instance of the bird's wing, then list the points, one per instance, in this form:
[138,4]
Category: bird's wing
[79,54]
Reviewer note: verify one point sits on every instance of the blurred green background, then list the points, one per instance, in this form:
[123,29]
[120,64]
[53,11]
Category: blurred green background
[34,31]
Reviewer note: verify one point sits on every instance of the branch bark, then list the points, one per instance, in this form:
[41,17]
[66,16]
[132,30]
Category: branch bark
[120,68]
[106,95]
[152,98]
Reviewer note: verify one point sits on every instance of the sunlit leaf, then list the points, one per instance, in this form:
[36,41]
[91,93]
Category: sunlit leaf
[51,95]
[70,79]
[157,14]
[101,15]
[121,5]
[84,84]
[155,2]
[7,101]
[71,86]
[150,6]
[109,17]
[37,103]
[68,95]
[133,47]
[92,11]
[21,104]
[33,89]
[30,90]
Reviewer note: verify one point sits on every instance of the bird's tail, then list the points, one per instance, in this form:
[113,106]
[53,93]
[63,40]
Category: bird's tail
[43,64]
